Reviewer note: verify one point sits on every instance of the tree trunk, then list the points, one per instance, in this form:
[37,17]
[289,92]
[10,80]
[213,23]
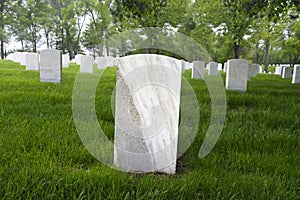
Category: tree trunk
[107,47]
[267,55]
[47,41]
[237,50]
[2,27]
[70,44]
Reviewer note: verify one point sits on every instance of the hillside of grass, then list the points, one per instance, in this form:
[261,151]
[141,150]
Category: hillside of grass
[42,156]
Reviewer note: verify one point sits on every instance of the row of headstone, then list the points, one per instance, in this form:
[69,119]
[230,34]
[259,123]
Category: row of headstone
[32,60]
[238,72]
[287,72]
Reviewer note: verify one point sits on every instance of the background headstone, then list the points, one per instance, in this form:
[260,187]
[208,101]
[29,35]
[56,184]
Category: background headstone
[225,67]
[220,67]
[212,68]
[237,74]
[278,70]
[50,66]
[109,61]
[87,63]
[147,113]
[65,60]
[198,70]
[78,59]
[253,70]
[32,61]
[182,66]
[101,62]
[296,74]
[287,72]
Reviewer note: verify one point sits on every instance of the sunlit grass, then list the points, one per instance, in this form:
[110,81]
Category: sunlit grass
[42,156]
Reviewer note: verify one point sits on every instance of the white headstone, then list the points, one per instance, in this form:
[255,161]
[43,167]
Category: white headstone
[198,70]
[260,69]
[32,61]
[20,57]
[182,66]
[87,63]
[212,68]
[225,67]
[253,70]
[296,75]
[50,66]
[287,72]
[65,60]
[147,113]
[101,62]
[109,61]
[78,59]
[220,67]
[237,74]
[278,70]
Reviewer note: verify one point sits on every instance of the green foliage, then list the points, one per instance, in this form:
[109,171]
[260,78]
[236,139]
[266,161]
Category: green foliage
[42,156]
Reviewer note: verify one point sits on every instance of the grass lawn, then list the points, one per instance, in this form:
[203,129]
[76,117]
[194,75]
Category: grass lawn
[42,156]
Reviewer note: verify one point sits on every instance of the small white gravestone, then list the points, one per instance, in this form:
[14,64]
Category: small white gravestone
[101,62]
[12,56]
[20,57]
[50,66]
[109,61]
[237,74]
[191,65]
[182,66]
[212,68]
[261,69]
[32,61]
[198,70]
[278,70]
[147,113]
[78,59]
[296,75]
[287,72]
[220,67]
[87,63]
[65,60]
[225,67]
[253,70]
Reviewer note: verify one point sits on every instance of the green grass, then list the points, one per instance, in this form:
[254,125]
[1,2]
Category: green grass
[42,156]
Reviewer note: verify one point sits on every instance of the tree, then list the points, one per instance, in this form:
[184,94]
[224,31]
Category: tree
[291,47]
[98,28]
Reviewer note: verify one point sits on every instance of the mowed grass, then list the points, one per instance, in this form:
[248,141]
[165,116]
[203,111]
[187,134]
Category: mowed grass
[42,156]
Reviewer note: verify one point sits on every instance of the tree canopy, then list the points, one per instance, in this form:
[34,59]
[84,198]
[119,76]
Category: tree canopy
[262,31]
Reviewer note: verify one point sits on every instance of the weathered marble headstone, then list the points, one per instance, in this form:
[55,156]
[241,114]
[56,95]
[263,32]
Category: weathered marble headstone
[198,70]
[147,113]
[287,72]
[50,66]
[87,63]
[296,74]
[65,60]
[212,68]
[237,74]
[253,70]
